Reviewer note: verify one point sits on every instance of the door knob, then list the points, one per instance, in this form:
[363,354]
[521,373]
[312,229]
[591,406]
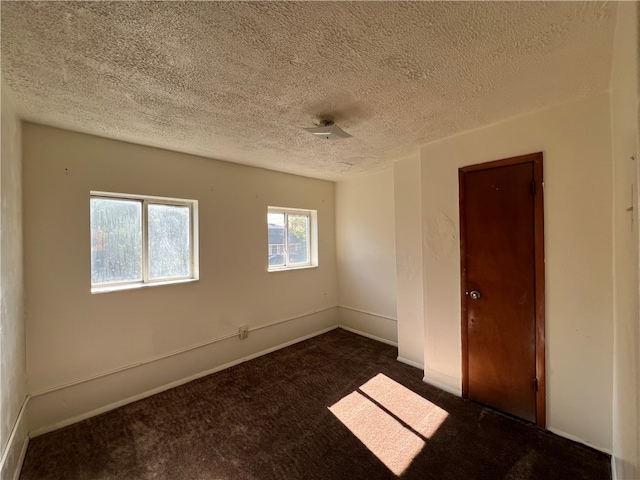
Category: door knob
[474,294]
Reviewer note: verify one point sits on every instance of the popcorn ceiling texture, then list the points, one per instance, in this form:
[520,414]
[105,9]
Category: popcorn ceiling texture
[235,81]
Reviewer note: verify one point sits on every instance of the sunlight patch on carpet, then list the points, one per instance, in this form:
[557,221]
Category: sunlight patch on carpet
[390,420]
[419,413]
[394,444]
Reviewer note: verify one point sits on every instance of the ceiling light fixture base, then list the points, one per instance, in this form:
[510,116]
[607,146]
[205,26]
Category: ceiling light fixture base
[328,130]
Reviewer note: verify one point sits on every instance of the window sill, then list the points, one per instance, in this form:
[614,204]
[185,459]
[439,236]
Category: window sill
[135,286]
[288,269]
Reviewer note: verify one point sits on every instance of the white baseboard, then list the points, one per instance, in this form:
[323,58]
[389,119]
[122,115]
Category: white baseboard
[16,448]
[60,407]
[368,335]
[573,438]
[371,325]
[410,362]
[443,386]
[23,453]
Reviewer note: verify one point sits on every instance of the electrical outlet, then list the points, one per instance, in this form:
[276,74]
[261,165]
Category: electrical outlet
[243,331]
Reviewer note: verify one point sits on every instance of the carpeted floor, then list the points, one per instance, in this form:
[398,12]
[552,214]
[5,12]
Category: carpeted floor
[338,406]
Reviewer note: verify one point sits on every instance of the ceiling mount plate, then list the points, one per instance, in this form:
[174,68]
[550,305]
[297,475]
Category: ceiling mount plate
[328,130]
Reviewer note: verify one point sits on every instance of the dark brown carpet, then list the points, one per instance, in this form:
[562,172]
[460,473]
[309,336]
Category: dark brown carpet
[269,419]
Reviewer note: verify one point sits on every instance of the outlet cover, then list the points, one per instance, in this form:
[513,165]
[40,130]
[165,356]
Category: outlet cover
[243,331]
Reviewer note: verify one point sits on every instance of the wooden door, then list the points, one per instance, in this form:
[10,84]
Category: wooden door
[503,285]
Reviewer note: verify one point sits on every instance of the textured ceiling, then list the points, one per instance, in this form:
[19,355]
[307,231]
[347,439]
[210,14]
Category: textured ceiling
[236,80]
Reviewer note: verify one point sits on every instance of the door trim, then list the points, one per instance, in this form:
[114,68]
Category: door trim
[539,304]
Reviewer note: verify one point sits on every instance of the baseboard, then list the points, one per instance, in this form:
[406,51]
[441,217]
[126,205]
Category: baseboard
[23,453]
[410,362]
[60,407]
[369,324]
[573,438]
[16,448]
[368,335]
[614,468]
[443,386]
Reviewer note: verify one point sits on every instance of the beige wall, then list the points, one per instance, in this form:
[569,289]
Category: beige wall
[626,360]
[90,352]
[365,245]
[13,435]
[575,139]
[409,273]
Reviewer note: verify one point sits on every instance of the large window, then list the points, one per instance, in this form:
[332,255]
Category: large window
[138,240]
[292,238]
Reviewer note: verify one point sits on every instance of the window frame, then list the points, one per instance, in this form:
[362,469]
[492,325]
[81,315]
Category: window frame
[312,238]
[146,281]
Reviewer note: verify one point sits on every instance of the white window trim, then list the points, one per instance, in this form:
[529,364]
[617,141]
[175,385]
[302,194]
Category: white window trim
[312,239]
[194,272]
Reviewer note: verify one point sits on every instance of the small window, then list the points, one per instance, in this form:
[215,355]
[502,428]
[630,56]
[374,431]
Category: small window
[292,238]
[138,241]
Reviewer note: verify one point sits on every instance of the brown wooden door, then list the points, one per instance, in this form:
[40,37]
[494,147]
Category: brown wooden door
[498,219]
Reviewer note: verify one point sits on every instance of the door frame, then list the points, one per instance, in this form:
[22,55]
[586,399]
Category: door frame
[536,159]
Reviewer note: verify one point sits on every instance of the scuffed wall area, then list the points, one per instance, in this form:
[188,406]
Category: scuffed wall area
[12,322]
[576,143]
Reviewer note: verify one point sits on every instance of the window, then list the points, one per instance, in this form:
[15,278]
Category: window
[138,241]
[292,238]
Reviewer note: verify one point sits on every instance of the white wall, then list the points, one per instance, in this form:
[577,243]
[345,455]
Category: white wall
[575,139]
[410,298]
[87,353]
[626,360]
[13,434]
[365,244]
